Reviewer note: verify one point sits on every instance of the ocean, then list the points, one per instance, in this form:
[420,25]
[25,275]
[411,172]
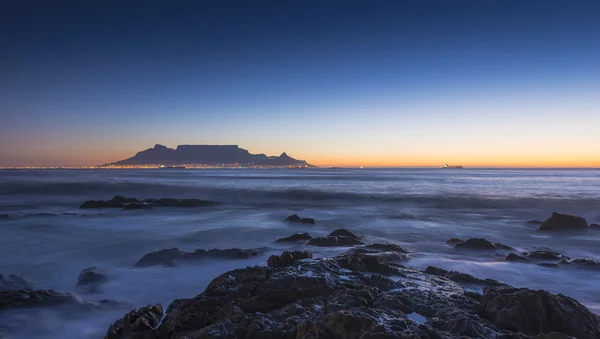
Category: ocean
[49,240]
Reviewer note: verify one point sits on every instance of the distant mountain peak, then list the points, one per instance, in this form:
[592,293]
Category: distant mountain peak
[207,155]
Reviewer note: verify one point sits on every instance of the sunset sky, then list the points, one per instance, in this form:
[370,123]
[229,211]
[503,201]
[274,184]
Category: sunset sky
[371,83]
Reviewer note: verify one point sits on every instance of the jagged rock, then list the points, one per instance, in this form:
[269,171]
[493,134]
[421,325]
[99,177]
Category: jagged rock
[583,263]
[136,324]
[461,277]
[563,222]
[14,282]
[295,218]
[25,298]
[453,241]
[133,203]
[481,244]
[344,233]
[168,257]
[534,222]
[287,258]
[295,237]
[545,255]
[334,241]
[515,257]
[116,202]
[536,312]
[91,278]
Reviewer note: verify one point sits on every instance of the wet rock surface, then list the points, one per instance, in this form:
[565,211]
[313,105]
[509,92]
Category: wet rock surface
[560,221]
[342,232]
[295,237]
[342,297]
[287,258]
[461,277]
[135,204]
[582,263]
[296,219]
[480,244]
[14,282]
[91,279]
[26,298]
[515,257]
[169,256]
[333,241]
[545,255]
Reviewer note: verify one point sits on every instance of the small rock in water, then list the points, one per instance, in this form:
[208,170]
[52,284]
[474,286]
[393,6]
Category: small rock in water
[295,218]
[14,282]
[534,222]
[583,263]
[26,298]
[545,255]
[563,222]
[164,257]
[116,202]
[91,278]
[386,247]
[453,241]
[133,203]
[136,324]
[482,244]
[344,233]
[334,241]
[168,257]
[515,257]
[548,264]
[594,226]
[295,237]
[287,258]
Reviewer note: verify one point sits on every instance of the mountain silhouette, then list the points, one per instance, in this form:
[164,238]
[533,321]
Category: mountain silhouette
[206,155]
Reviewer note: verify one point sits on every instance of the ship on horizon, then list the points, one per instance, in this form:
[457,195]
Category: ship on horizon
[446,166]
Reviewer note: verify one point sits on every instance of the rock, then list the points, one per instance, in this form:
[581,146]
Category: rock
[136,324]
[334,241]
[361,262]
[295,237]
[563,222]
[534,222]
[91,278]
[14,282]
[25,298]
[536,312]
[583,263]
[287,258]
[461,277]
[170,202]
[135,204]
[168,257]
[548,264]
[481,244]
[453,241]
[545,255]
[4,217]
[514,257]
[386,247]
[116,202]
[594,226]
[297,219]
[344,233]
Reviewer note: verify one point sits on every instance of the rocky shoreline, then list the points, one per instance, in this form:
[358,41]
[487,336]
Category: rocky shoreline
[363,292]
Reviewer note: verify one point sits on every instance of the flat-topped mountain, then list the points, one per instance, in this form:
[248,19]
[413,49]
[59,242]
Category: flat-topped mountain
[206,155]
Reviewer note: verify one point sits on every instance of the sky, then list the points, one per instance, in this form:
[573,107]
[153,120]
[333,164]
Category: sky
[344,83]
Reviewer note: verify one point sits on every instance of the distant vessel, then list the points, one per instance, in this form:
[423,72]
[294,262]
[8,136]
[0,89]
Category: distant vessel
[446,166]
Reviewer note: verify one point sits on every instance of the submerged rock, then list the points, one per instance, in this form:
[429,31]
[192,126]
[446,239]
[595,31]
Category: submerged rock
[386,247]
[170,202]
[25,298]
[344,233]
[461,277]
[481,244]
[583,263]
[136,324]
[563,222]
[14,282]
[515,257]
[287,258]
[4,217]
[548,264]
[545,255]
[116,202]
[168,257]
[534,222]
[295,237]
[135,204]
[536,312]
[594,226]
[91,278]
[453,241]
[334,241]
[295,218]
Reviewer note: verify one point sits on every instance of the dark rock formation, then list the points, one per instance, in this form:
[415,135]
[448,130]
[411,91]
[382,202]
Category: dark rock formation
[13,282]
[534,222]
[168,257]
[582,263]
[331,298]
[386,247]
[343,233]
[481,244]
[295,237]
[461,277]
[90,279]
[297,219]
[545,255]
[563,222]
[134,204]
[334,241]
[26,298]
[594,226]
[453,241]
[136,324]
[287,258]
[515,257]
[536,312]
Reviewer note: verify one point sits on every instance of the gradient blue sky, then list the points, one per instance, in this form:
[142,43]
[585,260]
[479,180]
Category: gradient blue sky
[491,83]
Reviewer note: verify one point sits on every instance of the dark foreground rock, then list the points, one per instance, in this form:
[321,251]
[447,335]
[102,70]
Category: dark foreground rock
[287,258]
[563,222]
[132,203]
[515,257]
[168,257]
[136,324]
[295,237]
[90,279]
[533,312]
[481,244]
[461,277]
[295,218]
[14,282]
[321,298]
